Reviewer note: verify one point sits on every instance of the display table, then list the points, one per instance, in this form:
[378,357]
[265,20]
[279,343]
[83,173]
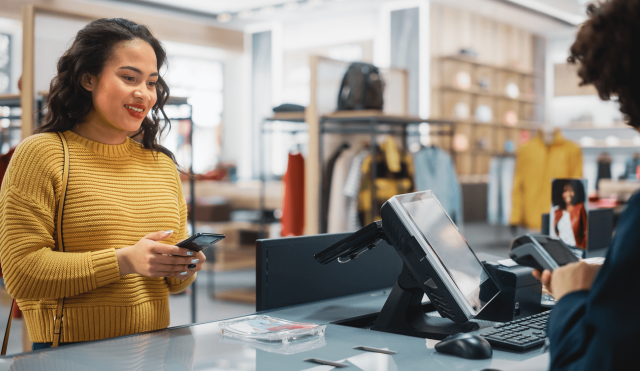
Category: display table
[200,347]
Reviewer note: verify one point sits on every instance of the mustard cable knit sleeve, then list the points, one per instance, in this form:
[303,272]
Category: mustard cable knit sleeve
[28,199]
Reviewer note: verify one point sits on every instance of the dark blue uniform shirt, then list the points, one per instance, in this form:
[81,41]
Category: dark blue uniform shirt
[600,329]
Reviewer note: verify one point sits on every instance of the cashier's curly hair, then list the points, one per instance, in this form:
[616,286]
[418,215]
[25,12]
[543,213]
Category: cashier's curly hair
[69,102]
[607,51]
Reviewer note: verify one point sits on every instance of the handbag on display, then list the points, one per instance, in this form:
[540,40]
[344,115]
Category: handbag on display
[361,88]
[58,318]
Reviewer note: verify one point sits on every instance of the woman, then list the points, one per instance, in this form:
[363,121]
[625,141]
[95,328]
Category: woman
[594,324]
[569,213]
[124,209]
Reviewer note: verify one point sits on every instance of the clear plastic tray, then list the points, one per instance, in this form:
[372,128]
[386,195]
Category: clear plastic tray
[298,346]
[270,329]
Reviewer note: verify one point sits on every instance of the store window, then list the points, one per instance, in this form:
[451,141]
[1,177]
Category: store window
[201,81]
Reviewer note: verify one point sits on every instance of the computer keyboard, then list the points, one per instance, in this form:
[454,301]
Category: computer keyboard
[518,335]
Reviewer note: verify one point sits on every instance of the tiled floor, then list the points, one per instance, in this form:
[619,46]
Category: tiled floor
[480,236]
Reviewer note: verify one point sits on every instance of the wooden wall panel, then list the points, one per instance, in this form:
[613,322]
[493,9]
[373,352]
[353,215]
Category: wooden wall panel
[566,81]
[496,43]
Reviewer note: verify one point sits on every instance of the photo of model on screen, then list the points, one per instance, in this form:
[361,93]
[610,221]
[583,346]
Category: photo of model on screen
[568,213]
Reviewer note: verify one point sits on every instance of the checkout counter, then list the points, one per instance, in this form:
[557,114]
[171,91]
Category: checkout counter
[201,347]
[290,285]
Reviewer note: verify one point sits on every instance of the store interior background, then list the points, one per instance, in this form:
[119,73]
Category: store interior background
[234,60]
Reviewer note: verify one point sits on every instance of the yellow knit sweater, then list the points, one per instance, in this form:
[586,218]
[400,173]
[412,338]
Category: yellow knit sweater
[115,196]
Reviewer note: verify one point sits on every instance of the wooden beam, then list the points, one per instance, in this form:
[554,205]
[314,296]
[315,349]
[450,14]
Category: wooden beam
[27,95]
[312,164]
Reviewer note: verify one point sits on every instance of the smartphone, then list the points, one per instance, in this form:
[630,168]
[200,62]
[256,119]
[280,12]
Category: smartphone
[200,241]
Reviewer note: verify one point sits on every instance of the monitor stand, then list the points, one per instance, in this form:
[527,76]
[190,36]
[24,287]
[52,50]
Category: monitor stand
[402,313]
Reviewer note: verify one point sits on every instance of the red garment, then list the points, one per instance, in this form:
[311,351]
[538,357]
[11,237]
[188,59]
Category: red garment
[4,162]
[578,218]
[293,209]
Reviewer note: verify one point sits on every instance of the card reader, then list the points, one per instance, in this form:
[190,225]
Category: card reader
[541,252]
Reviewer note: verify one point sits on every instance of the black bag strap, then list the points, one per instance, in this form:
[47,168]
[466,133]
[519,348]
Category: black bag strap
[57,319]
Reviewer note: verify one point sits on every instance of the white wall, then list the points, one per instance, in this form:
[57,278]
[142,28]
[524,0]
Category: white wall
[562,110]
[339,30]
[14,28]
[233,141]
[53,35]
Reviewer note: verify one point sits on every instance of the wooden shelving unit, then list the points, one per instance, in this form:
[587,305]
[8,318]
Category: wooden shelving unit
[507,94]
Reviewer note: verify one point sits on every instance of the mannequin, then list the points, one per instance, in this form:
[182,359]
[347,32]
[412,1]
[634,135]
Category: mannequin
[548,134]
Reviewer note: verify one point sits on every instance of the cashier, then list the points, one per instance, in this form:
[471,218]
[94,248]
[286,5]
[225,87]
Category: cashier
[595,324]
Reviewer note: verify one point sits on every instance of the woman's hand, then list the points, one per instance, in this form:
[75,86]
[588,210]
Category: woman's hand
[151,258]
[568,278]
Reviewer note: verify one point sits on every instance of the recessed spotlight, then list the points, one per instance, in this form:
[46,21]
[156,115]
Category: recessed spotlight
[245,14]
[267,10]
[224,17]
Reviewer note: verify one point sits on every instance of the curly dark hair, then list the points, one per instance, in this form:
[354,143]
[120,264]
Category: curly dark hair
[69,102]
[607,50]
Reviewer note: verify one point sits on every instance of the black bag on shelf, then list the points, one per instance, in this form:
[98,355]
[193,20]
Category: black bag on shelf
[361,88]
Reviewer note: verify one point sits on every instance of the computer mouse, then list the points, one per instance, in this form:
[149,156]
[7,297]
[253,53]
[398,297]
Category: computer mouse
[466,346]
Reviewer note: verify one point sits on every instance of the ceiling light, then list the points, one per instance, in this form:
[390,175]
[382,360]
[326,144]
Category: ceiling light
[224,17]
[245,14]
[267,10]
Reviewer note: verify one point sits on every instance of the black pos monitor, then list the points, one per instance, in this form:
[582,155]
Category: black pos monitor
[437,261]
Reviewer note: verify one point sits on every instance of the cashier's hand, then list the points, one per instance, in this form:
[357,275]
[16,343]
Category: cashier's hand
[150,258]
[568,278]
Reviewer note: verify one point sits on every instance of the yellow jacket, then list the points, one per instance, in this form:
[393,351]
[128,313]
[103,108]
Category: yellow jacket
[536,165]
[394,176]
[116,194]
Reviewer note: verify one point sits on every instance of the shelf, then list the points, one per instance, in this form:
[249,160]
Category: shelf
[176,100]
[605,148]
[9,99]
[471,60]
[487,94]
[596,129]
[366,116]
[522,125]
[287,116]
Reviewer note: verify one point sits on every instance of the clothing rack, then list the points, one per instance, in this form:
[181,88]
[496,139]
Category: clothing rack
[180,101]
[299,126]
[14,101]
[368,122]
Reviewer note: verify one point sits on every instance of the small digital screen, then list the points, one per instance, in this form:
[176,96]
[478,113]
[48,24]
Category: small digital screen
[450,247]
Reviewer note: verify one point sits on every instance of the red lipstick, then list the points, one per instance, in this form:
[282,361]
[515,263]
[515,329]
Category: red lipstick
[138,111]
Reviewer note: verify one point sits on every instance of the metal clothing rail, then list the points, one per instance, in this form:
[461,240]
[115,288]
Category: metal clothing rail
[179,101]
[369,122]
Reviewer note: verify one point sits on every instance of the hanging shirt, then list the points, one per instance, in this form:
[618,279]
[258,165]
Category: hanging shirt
[630,167]
[351,190]
[293,209]
[327,180]
[338,201]
[434,170]
[394,176]
[536,165]
[499,190]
